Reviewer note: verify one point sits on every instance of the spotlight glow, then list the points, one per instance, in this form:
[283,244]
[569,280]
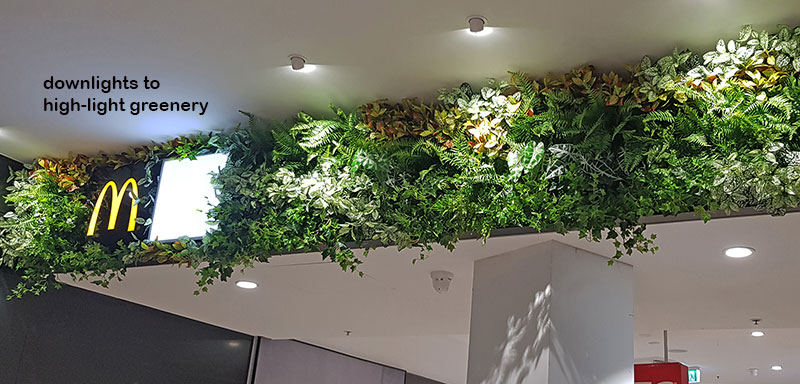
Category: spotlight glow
[739,252]
[484,32]
[776,368]
[308,68]
[246,284]
[757,334]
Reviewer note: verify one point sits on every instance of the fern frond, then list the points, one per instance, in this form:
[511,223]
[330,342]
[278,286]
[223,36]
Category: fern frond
[317,133]
[659,116]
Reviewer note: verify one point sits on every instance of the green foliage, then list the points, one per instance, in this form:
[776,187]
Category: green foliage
[581,151]
[486,115]
[767,179]
[524,159]
[45,235]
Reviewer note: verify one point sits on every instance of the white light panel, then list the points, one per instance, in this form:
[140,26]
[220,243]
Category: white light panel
[185,195]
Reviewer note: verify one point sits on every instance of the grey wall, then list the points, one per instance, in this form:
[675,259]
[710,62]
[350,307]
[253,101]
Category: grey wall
[293,362]
[75,336]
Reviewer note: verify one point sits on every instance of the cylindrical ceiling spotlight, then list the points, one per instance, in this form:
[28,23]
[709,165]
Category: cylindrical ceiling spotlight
[477,26]
[299,64]
[756,332]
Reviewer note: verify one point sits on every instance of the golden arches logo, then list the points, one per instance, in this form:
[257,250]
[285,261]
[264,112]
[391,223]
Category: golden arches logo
[116,200]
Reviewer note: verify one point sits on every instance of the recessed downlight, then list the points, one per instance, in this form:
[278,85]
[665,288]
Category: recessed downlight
[739,252]
[244,284]
[757,334]
[776,368]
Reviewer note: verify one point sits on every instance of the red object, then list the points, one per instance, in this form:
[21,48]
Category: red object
[657,373]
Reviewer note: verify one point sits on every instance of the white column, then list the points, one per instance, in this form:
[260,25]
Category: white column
[551,313]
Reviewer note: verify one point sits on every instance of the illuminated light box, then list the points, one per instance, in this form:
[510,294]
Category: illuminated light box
[185,194]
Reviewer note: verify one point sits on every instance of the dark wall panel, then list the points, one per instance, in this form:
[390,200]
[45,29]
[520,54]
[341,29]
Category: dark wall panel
[414,379]
[293,362]
[75,336]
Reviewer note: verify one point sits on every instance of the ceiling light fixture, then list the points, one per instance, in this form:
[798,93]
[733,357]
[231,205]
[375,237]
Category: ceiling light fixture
[244,284]
[776,368]
[299,64]
[757,332]
[739,252]
[477,26]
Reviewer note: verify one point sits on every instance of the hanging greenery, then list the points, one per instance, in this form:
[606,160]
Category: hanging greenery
[581,151]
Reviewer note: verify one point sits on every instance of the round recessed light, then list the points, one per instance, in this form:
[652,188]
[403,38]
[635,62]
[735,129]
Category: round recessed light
[757,334]
[477,26]
[776,368]
[246,284]
[739,252]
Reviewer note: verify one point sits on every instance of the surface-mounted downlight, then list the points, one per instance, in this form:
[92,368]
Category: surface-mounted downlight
[776,368]
[299,64]
[739,252]
[757,334]
[477,26]
[246,284]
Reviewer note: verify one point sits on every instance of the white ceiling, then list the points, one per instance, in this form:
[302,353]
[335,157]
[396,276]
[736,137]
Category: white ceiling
[703,298]
[234,54]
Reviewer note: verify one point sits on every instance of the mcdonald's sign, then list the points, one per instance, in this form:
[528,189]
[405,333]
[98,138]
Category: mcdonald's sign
[121,202]
[117,196]
[174,201]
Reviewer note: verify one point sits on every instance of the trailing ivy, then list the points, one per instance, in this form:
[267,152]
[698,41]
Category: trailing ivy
[580,151]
